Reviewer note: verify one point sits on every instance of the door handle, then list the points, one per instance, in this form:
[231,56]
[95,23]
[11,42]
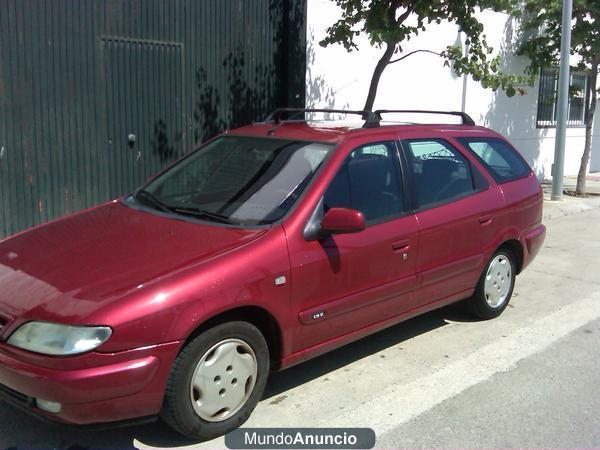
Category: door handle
[401,246]
[485,220]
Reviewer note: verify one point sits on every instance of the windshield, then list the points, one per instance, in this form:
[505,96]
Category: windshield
[237,179]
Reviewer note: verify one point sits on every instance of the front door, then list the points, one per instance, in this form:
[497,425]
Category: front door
[344,282]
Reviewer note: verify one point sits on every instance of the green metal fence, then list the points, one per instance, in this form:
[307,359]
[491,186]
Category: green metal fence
[96,95]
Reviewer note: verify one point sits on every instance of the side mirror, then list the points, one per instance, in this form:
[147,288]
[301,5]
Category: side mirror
[342,220]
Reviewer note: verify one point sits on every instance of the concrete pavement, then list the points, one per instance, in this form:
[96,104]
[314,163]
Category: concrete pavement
[592,183]
[547,400]
[569,205]
[528,378]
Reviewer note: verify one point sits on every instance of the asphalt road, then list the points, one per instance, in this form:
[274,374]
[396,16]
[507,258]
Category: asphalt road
[529,378]
[549,399]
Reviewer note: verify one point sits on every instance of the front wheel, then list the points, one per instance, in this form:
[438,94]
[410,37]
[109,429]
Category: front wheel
[495,287]
[217,381]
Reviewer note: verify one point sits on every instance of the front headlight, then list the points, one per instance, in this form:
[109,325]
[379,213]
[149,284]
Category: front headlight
[55,339]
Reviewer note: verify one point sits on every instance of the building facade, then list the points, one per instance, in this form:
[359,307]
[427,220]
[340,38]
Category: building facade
[97,95]
[336,78]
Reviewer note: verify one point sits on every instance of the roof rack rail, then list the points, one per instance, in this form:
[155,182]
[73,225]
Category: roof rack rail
[371,118]
[466,119]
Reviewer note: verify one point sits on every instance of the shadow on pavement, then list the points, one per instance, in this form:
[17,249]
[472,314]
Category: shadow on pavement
[20,430]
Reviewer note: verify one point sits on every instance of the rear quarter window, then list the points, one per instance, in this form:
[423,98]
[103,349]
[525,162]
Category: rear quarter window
[502,161]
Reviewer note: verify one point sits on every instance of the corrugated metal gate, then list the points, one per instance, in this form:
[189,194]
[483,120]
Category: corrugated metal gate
[96,95]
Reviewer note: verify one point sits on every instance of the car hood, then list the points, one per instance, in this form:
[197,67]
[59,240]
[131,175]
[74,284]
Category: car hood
[67,269]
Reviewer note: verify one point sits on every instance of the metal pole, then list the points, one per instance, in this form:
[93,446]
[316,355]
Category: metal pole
[563,102]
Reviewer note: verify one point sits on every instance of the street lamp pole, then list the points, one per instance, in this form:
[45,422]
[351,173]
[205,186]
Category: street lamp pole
[558,167]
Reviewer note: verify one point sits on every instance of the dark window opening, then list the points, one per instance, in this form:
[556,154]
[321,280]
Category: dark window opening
[579,95]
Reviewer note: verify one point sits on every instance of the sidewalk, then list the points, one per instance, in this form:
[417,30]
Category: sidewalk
[592,183]
[572,205]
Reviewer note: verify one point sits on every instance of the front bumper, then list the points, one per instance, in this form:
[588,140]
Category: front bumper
[92,388]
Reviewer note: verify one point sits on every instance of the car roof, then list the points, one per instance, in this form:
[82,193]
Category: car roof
[330,132]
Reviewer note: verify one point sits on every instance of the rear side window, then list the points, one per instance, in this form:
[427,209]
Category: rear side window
[441,174]
[501,160]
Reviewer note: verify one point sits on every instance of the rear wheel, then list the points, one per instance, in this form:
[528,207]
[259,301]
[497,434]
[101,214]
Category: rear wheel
[217,381]
[495,287]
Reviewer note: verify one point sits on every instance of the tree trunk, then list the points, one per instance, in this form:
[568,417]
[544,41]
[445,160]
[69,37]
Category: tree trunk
[580,189]
[381,65]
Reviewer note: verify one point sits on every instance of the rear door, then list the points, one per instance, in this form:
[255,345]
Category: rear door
[454,206]
[517,182]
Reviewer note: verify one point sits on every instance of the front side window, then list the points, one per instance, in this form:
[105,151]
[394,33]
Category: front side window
[370,182]
[501,160]
[440,173]
[238,179]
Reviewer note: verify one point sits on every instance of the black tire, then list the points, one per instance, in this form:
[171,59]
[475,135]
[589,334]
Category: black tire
[177,410]
[478,304]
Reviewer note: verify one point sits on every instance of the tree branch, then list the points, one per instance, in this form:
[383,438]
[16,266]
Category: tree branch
[394,5]
[413,52]
[405,14]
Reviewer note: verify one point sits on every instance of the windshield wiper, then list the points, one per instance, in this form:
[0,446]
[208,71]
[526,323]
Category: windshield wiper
[148,197]
[202,213]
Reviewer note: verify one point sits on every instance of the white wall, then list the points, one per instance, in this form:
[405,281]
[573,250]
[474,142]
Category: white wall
[336,78]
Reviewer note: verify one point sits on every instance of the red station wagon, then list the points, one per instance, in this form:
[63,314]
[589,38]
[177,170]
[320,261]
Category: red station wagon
[269,245]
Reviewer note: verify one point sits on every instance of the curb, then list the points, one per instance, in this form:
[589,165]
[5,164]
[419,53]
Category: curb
[556,209]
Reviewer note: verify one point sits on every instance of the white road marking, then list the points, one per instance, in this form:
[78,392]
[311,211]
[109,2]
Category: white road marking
[398,404]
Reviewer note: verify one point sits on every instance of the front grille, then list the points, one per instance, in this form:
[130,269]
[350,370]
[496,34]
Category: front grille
[23,399]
